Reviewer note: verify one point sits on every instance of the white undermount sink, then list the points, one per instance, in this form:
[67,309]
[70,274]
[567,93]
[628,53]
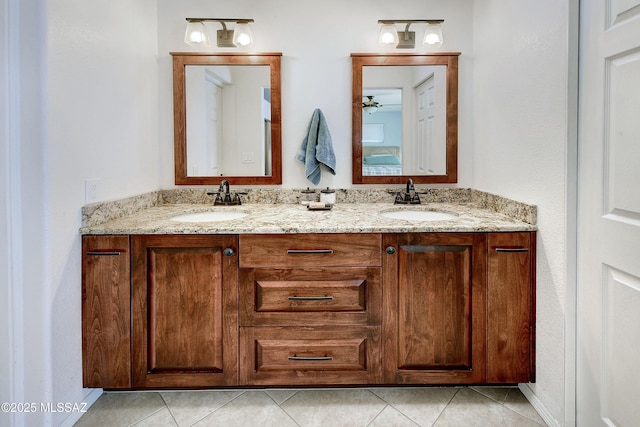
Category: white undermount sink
[418,215]
[211,216]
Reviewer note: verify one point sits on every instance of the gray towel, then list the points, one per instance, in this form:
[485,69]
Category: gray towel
[317,148]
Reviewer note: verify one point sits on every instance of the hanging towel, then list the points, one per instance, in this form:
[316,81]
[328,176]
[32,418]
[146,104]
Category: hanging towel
[317,148]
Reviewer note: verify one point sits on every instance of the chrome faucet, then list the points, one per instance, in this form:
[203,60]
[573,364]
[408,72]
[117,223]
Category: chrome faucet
[224,196]
[409,197]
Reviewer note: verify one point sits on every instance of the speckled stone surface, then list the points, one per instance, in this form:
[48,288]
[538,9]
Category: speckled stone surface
[274,211]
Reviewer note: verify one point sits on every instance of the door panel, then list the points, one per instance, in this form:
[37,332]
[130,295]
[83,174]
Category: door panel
[608,323]
[434,310]
[106,312]
[184,302]
[184,311]
[434,320]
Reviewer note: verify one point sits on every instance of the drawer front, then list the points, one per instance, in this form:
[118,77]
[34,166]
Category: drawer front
[316,295]
[323,355]
[310,250]
[308,296]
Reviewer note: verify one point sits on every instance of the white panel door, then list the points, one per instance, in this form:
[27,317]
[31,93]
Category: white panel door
[608,309]
[430,157]
[214,128]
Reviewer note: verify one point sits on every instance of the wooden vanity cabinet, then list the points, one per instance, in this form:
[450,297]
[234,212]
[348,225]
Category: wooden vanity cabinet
[184,301]
[459,308]
[511,307]
[197,311]
[310,309]
[106,312]
[434,321]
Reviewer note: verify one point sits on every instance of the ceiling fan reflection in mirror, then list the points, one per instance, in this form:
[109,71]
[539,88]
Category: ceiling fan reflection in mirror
[371,106]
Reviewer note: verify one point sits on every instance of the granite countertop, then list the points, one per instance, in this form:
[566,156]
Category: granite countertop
[270,218]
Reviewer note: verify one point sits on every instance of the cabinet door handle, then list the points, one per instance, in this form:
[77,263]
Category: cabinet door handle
[512,249]
[326,297]
[228,252]
[103,253]
[309,251]
[317,358]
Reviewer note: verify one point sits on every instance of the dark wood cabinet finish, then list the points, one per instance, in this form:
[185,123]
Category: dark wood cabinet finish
[511,308]
[184,311]
[310,309]
[296,355]
[106,310]
[434,322]
[203,311]
[310,250]
[310,296]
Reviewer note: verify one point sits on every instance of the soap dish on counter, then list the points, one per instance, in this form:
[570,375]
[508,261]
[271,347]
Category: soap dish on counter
[319,206]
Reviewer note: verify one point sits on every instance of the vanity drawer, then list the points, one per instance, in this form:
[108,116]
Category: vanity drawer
[308,355]
[310,296]
[310,250]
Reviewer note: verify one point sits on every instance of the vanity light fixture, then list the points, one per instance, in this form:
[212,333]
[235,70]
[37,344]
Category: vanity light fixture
[197,34]
[406,39]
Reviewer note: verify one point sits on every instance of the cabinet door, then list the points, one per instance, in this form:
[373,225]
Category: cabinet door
[184,311]
[511,316]
[106,312]
[434,317]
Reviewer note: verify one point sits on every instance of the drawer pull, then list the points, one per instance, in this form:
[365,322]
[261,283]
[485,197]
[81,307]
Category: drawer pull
[309,251]
[323,298]
[103,253]
[512,249]
[318,358]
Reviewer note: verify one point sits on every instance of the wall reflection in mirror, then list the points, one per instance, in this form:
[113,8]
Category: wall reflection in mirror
[404,120]
[228,120]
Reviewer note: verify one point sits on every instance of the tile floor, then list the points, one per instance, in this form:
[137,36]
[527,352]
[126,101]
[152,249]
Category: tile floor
[445,406]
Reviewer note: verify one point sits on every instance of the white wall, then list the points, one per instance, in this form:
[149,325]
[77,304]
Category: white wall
[101,124]
[316,40]
[83,104]
[22,200]
[523,134]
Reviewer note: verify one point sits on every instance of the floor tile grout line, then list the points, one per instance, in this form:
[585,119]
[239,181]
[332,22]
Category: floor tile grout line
[169,409]
[242,392]
[378,414]
[286,400]
[279,405]
[519,413]
[148,415]
[445,407]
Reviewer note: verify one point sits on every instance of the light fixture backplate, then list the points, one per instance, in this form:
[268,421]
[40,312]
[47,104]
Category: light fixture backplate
[225,38]
[409,42]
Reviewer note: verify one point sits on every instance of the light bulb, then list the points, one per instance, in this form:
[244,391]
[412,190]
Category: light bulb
[388,35]
[196,34]
[433,35]
[242,34]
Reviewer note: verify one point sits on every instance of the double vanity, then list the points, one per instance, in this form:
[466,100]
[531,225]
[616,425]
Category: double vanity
[178,293]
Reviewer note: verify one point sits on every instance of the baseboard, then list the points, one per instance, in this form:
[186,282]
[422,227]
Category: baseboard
[538,406]
[89,400]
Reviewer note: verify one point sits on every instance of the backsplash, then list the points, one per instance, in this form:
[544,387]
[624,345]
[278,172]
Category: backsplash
[98,213]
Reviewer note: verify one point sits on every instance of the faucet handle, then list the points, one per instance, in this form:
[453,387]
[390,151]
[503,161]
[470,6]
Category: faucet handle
[218,195]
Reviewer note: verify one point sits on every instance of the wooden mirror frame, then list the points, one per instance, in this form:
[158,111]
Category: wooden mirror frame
[450,60]
[182,59]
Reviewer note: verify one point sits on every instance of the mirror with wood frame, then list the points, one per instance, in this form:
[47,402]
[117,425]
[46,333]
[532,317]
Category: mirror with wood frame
[404,118]
[227,118]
